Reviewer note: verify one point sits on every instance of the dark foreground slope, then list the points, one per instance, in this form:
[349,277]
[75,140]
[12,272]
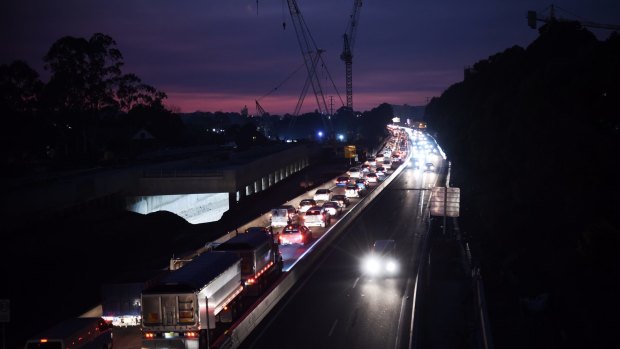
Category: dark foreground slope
[54,270]
[534,137]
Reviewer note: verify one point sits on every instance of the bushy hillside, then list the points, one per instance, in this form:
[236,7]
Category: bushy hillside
[534,137]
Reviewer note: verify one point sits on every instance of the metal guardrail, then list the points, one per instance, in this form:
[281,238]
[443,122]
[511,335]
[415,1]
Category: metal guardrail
[485,334]
[242,329]
[415,325]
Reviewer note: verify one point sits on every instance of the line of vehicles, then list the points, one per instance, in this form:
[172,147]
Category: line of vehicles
[196,299]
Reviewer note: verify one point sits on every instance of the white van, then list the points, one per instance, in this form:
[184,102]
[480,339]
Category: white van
[283,216]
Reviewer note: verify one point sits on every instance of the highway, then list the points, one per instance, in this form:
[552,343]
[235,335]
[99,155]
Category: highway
[351,311]
[332,305]
[335,306]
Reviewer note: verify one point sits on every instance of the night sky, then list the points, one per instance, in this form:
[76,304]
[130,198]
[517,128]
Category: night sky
[219,55]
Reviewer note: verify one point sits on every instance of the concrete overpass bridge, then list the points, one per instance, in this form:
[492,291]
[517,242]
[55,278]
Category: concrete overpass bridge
[199,189]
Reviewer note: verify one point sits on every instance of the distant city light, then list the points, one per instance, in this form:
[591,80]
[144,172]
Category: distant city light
[340,137]
[320,133]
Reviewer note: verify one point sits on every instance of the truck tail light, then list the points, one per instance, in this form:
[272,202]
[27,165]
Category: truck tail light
[149,335]
[191,334]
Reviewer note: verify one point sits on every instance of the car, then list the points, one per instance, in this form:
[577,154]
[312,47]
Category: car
[414,163]
[332,207]
[371,177]
[362,183]
[295,234]
[315,216]
[351,191]
[342,181]
[341,199]
[305,204]
[354,172]
[382,260]
[395,164]
[322,195]
[380,170]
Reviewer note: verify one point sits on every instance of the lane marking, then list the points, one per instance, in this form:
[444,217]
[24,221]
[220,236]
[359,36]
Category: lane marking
[332,329]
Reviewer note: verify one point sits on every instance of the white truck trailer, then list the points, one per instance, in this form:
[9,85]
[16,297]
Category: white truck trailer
[187,307]
[260,258]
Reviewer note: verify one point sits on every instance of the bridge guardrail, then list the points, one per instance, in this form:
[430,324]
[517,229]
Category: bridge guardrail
[242,329]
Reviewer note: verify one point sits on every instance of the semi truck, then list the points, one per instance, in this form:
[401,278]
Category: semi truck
[120,298]
[75,333]
[260,258]
[190,307]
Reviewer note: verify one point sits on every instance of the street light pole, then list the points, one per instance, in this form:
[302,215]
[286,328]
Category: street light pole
[445,199]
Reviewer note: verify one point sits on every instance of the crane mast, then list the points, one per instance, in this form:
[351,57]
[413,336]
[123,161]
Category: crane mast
[347,52]
[311,55]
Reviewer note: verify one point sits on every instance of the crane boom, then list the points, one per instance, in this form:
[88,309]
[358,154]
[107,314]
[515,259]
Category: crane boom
[533,17]
[310,53]
[347,52]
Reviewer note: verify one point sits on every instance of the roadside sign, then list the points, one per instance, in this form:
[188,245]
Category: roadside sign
[349,151]
[5,310]
[445,204]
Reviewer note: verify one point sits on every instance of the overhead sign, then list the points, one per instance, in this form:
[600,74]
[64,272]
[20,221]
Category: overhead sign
[349,151]
[5,310]
[442,204]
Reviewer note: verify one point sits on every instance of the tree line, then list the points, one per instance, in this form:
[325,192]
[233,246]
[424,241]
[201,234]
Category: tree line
[90,111]
[534,137]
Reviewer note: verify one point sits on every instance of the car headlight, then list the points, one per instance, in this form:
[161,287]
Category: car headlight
[371,265]
[391,266]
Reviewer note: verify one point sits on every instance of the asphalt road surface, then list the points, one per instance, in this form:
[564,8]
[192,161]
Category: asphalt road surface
[336,306]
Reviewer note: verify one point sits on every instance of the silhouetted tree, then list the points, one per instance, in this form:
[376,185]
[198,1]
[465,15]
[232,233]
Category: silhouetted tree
[534,135]
[83,73]
[19,88]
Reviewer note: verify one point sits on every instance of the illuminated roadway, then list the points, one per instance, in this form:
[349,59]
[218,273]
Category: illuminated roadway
[335,307]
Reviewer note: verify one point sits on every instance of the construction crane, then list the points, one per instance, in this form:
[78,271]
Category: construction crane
[310,53]
[312,56]
[533,17]
[259,108]
[347,52]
